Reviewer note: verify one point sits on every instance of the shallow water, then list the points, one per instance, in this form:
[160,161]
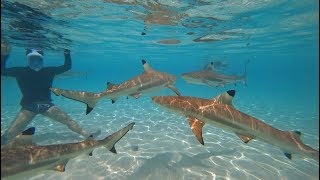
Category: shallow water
[279,37]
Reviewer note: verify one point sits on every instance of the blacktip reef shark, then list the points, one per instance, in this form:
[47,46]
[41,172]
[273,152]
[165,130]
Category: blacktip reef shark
[209,77]
[149,81]
[220,112]
[22,157]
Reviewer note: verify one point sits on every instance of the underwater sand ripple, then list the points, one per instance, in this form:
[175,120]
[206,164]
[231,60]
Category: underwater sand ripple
[167,148]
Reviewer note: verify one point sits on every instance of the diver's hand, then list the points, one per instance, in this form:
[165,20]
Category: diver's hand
[66,51]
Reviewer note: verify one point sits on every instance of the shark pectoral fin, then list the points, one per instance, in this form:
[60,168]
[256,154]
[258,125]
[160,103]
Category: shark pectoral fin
[244,138]
[136,95]
[207,83]
[225,98]
[174,89]
[61,167]
[113,149]
[196,127]
[89,109]
[288,155]
[113,100]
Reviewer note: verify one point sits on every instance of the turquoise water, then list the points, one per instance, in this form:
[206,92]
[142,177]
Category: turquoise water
[279,37]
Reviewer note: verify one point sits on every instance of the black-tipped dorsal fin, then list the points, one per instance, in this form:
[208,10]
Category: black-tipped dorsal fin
[209,67]
[295,134]
[90,138]
[196,127]
[110,85]
[225,98]
[25,138]
[298,133]
[146,66]
[244,138]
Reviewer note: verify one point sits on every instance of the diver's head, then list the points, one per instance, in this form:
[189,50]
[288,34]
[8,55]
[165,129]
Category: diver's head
[34,59]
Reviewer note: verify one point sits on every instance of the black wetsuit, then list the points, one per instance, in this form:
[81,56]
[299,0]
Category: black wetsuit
[34,85]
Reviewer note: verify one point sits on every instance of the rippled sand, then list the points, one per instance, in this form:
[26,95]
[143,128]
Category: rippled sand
[162,146]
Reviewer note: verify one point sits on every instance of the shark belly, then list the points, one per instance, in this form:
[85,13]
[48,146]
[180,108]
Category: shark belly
[256,130]
[136,88]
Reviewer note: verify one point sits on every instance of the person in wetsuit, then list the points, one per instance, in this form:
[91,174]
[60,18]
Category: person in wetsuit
[34,82]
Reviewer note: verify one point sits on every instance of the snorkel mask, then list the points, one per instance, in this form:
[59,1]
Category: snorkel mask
[34,59]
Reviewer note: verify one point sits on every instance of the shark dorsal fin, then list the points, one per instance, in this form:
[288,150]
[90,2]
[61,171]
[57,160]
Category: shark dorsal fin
[196,127]
[225,98]
[298,133]
[90,138]
[110,85]
[146,66]
[25,138]
[209,67]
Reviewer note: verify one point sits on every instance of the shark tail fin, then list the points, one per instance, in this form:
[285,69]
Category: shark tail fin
[111,140]
[90,99]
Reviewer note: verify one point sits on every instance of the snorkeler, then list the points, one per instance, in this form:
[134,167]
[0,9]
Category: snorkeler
[34,82]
